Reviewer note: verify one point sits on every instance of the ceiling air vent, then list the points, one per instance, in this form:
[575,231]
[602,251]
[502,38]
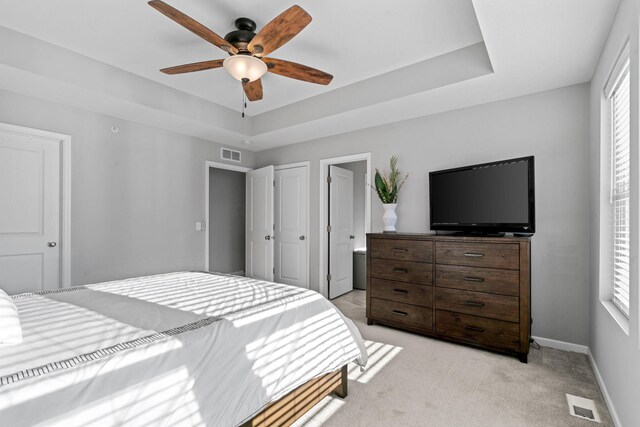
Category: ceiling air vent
[228,154]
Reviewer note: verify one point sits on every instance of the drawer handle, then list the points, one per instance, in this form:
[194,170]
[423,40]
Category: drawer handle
[474,303]
[401,270]
[474,328]
[474,279]
[473,254]
[399,250]
[400,313]
[401,291]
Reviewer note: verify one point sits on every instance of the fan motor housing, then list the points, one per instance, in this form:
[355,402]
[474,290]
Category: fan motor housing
[241,37]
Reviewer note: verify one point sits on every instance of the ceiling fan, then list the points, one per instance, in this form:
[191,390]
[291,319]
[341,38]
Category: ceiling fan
[247,50]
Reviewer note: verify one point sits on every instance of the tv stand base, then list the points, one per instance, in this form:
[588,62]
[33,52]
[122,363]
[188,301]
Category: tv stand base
[478,234]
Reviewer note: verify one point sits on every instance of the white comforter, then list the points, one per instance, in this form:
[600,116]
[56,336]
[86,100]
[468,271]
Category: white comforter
[172,349]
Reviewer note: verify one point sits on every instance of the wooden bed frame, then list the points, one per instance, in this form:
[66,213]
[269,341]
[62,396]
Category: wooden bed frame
[286,410]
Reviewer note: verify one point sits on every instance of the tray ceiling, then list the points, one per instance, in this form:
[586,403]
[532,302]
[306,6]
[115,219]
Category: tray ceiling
[391,60]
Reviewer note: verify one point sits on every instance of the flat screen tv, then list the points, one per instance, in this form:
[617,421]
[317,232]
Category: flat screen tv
[489,198]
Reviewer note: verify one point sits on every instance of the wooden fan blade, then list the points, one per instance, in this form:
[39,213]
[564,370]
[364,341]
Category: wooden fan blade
[279,31]
[192,25]
[196,66]
[297,71]
[253,90]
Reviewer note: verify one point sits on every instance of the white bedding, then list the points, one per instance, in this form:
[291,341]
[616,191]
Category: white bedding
[173,349]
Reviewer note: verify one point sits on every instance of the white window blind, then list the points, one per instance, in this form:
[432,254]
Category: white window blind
[620,186]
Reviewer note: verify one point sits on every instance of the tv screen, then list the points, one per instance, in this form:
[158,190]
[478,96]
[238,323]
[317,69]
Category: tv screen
[491,197]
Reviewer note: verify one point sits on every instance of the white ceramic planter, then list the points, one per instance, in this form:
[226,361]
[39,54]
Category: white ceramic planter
[389,217]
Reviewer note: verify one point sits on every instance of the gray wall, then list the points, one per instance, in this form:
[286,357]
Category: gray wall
[226,220]
[135,195]
[359,170]
[551,125]
[616,353]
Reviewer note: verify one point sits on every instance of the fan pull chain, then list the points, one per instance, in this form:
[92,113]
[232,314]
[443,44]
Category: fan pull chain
[244,96]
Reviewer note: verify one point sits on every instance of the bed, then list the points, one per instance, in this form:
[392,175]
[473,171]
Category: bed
[186,348]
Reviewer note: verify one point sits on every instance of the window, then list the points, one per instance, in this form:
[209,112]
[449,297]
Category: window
[617,92]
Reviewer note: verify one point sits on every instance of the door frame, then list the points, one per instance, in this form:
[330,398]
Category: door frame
[324,213]
[212,164]
[307,166]
[217,165]
[64,144]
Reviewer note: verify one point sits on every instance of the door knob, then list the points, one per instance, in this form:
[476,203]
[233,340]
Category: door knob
[302,237]
[352,237]
[267,237]
[52,244]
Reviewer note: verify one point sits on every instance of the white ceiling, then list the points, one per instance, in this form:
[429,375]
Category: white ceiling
[390,60]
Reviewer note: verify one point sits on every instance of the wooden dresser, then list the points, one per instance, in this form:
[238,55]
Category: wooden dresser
[472,290]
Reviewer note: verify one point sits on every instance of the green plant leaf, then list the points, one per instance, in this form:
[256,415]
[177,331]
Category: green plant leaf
[388,186]
[381,188]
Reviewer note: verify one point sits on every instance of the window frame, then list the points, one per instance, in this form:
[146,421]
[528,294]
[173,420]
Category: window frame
[618,75]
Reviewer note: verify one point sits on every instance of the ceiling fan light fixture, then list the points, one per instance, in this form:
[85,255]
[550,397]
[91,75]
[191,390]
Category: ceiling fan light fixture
[245,67]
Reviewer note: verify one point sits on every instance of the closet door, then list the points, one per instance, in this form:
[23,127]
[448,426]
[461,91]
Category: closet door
[260,226]
[291,244]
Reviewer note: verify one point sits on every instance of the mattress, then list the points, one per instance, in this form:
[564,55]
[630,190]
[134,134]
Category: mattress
[186,348]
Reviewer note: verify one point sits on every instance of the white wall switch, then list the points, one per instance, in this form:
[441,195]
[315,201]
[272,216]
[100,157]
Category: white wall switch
[198,226]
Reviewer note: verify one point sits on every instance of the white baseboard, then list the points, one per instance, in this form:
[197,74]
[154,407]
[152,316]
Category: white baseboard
[577,348]
[562,345]
[238,273]
[605,392]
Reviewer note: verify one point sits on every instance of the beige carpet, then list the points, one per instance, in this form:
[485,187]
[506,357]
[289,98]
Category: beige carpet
[413,380]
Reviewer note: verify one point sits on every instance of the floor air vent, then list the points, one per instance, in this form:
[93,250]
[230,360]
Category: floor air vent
[229,154]
[583,412]
[583,408]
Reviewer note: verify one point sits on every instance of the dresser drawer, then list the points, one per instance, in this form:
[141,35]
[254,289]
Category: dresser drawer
[402,314]
[500,307]
[409,293]
[479,330]
[402,271]
[489,255]
[402,250]
[505,282]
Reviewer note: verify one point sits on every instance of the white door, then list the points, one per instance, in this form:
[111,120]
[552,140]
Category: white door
[341,231]
[260,227]
[291,243]
[29,213]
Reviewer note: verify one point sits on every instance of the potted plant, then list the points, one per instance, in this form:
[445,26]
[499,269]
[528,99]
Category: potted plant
[388,187]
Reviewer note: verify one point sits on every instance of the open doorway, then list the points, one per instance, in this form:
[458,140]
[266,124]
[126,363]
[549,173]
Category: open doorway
[226,221]
[258,222]
[225,213]
[345,204]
